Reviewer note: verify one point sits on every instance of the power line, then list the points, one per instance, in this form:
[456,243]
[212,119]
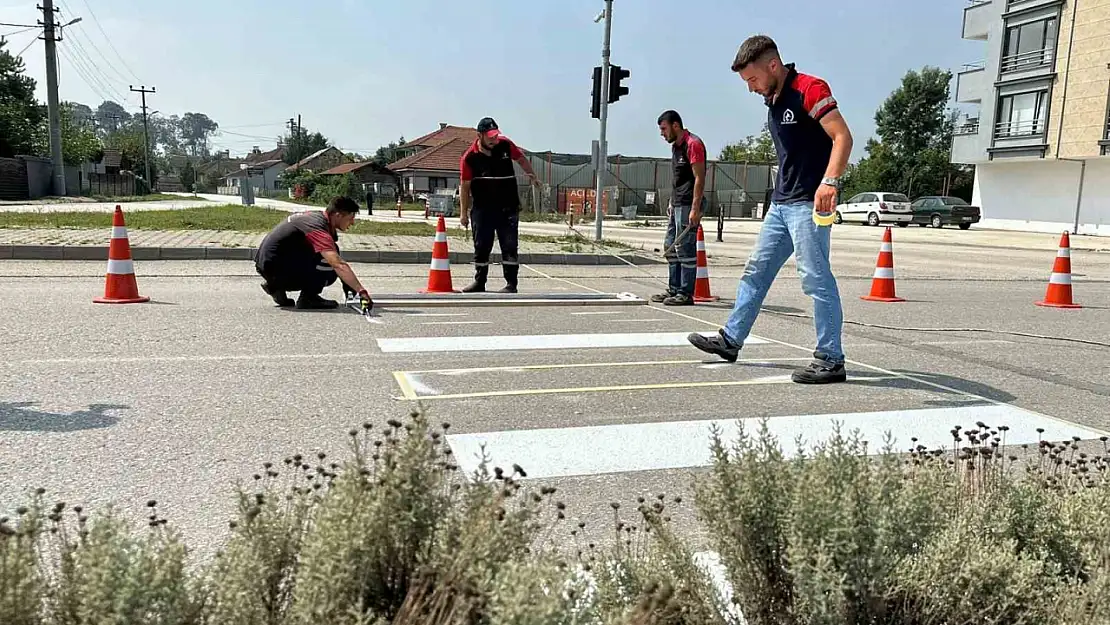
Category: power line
[84,37]
[28,46]
[18,32]
[109,40]
[19,25]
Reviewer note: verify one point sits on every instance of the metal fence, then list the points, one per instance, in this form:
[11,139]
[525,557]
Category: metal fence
[640,186]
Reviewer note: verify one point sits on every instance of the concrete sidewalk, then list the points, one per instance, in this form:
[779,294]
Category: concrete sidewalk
[92,244]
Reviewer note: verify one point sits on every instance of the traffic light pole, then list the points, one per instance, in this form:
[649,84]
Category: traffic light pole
[602,152]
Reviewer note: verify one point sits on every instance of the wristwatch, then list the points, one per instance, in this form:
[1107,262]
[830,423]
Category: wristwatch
[832,182]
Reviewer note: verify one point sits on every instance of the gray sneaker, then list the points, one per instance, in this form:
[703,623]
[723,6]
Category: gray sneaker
[718,345]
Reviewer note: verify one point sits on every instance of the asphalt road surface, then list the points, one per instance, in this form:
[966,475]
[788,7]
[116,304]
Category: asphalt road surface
[179,398]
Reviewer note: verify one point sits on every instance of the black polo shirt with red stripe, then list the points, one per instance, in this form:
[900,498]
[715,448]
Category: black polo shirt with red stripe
[802,145]
[688,150]
[301,238]
[492,176]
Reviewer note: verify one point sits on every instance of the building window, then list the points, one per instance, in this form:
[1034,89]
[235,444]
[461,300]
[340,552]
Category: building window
[1022,114]
[437,183]
[1029,45]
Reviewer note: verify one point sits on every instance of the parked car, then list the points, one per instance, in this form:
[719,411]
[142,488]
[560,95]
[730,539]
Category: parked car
[876,208]
[941,210]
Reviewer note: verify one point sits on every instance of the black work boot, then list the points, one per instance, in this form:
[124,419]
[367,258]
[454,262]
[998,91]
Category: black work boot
[718,345]
[820,371]
[279,297]
[679,299]
[479,284]
[511,273]
[313,301]
[659,298]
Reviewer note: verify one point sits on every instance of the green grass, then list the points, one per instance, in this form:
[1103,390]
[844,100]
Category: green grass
[153,197]
[238,218]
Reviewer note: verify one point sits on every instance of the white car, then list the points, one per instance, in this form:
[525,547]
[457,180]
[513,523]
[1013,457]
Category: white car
[877,208]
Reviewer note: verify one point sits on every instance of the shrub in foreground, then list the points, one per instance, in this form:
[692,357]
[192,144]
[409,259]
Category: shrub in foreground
[393,534]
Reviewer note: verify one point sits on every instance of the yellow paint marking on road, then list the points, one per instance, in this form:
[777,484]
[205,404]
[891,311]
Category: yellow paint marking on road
[405,385]
[632,387]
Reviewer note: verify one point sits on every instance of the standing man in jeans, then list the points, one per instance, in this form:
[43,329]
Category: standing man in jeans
[685,210]
[813,142]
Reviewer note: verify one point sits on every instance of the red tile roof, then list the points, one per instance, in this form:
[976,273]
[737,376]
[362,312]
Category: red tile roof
[443,135]
[346,168]
[443,157]
[275,154]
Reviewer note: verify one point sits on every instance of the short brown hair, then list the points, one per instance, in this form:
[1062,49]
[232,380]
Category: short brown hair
[754,49]
[342,204]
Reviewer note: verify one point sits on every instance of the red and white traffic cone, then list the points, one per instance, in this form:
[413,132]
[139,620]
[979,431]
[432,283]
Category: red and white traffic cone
[702,292]
[439,274]
[1058,294]
[882,285]
[120,286]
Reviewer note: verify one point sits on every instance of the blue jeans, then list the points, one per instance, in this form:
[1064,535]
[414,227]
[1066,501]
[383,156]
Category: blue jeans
[683,259]
[789,229]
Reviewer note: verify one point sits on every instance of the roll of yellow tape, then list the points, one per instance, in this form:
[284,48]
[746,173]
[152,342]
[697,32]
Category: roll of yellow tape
[823,220]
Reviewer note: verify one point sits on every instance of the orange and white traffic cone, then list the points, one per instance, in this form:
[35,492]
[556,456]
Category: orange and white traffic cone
[120,286]
[1058,294]
[439,275]
[882,285]
[702,292]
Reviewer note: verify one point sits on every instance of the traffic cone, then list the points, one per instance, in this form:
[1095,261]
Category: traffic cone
[882,285]
[120,286]
[439,275]
[701,283]
[1058,294]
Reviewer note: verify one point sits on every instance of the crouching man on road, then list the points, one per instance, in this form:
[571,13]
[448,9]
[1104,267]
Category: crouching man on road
[300,254]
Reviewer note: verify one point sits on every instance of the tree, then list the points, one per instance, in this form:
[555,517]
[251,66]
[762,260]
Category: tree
[21,116]
[111,117]
[753,149]
[79,141]
[914,128]
[301,144]
[388,153]
[196,128]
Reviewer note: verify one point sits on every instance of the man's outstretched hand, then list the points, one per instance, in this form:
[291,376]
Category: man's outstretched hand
[367,302]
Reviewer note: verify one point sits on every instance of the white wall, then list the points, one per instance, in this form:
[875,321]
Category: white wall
[1040,196]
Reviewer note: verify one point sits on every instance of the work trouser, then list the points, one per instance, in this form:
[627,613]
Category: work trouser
[505,224]
[788,229]
[683,259]
[304,273]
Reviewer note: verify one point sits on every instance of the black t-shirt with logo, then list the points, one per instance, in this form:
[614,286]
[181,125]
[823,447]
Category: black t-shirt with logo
[688,150]
[492,176]
[302,238]
[802,145]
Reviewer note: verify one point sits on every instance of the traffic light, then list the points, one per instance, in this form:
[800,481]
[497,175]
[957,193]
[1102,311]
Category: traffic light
[616,75]
[595,109]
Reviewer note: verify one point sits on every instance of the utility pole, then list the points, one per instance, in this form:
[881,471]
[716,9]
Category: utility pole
[52,97]
[146,132]
[602,151]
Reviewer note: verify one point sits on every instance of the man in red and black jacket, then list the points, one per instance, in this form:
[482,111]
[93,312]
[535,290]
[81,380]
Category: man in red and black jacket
[813,143]
[685,210]
[487,176]
[301,254]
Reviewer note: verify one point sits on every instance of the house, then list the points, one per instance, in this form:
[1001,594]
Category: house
[258,156]
[431,162]
[369,174]
[263,176]
[1041,134]
[322,160]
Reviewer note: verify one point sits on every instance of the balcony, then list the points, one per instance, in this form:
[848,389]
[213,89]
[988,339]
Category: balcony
[1021,5]
[971,83]
[1028,64]
[978,17]
[1105,143]
[1020,138]
[968,146]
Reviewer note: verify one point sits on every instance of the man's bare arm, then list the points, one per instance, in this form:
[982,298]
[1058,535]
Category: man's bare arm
[837,129]
[464,198]
[343,270]
[699,186]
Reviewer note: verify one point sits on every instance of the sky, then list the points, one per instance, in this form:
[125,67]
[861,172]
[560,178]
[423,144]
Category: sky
[365,72]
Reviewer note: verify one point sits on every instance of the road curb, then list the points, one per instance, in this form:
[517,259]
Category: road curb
[394,257]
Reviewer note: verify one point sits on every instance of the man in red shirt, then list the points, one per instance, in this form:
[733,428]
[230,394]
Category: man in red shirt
[487,177]
[300,254]
[685,211]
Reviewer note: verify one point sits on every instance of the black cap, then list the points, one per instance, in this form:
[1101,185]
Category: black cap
[488,127]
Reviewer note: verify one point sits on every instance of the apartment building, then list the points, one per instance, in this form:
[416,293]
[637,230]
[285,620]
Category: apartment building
[1040,141]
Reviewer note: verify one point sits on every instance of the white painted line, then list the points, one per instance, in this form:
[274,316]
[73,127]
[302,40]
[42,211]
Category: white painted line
[601,312]
[423,314]
[974,342]
[594,450]
[539,341]
[454,323]
[230,357]
[633,321]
